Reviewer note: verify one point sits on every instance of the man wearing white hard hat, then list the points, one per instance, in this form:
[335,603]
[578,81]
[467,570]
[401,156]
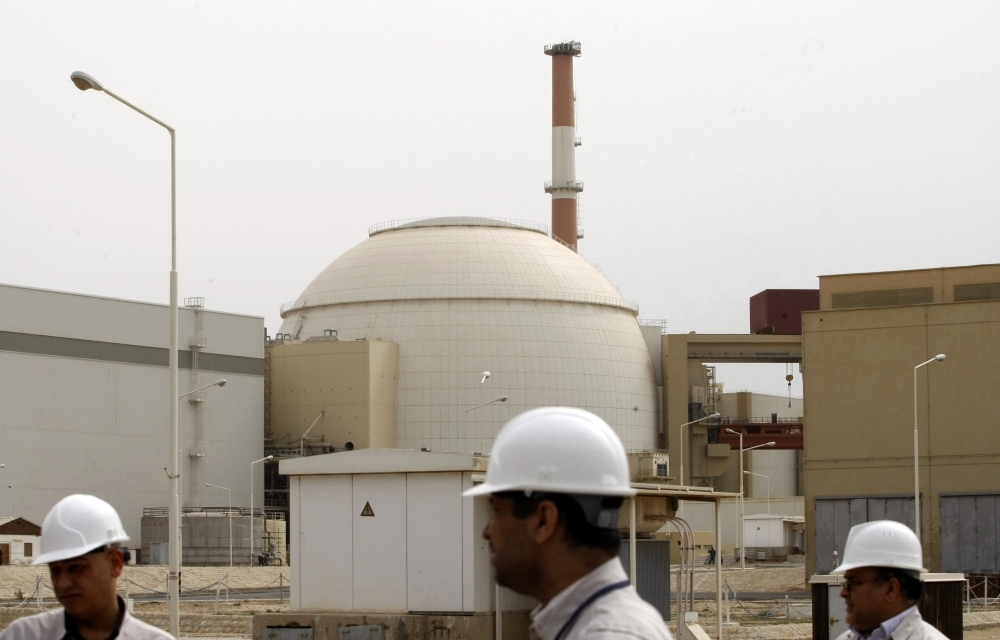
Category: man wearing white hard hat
[556,480]
[882,565]
[80,543]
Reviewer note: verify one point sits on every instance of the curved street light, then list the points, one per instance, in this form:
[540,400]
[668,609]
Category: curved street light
[230,514]
[743,564]
[83,82]
[916,449]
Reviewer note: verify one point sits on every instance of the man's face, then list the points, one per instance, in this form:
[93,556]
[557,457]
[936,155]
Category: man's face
[86,585]
[867,598]
[514,552]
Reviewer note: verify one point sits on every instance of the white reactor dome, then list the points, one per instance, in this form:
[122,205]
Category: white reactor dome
[461,296]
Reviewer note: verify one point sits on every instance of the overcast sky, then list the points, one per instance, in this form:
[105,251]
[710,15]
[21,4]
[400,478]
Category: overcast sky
[728,147]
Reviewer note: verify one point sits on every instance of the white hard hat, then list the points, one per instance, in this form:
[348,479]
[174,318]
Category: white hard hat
[77,525]
[882,543]
[557,450]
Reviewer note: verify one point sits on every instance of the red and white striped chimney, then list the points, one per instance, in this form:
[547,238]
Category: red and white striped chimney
[564,186]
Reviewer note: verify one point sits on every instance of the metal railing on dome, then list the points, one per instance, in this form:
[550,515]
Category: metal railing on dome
[649,322]
[527,225]
[495,293]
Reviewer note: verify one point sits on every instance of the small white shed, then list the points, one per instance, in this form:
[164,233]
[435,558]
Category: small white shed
[388,530]
[765,531]
[19,540]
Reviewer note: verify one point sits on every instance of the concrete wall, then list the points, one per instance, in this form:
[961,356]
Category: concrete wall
[859,406]
[352,381]
[85,403]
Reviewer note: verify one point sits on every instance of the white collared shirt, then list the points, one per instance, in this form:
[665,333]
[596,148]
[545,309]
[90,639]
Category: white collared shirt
[886,628]
[617,615]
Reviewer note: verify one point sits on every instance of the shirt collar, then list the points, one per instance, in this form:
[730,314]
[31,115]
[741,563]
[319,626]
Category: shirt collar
[546,621]
[886,629]
[74,634]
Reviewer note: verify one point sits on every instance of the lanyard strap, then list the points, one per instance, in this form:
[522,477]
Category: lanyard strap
[589,601]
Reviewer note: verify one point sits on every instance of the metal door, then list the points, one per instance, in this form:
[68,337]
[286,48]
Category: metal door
[379,521]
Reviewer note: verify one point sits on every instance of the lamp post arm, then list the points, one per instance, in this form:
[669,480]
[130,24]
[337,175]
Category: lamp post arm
[500,399]
[135,108]
[207,386]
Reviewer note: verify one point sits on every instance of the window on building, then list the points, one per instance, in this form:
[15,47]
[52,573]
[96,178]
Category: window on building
[661,470]
[28,551]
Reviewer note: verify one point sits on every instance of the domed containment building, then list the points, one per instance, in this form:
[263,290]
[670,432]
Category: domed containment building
[460,296]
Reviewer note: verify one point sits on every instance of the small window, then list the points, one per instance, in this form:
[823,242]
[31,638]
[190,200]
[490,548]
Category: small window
[661,470]
[28,551]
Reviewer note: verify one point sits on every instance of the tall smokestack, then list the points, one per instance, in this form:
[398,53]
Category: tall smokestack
[564,185]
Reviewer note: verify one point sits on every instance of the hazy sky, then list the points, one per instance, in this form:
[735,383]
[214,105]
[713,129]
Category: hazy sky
[728,147]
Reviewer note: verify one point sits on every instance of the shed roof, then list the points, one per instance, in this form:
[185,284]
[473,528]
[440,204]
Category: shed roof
[17,525]
[381,461]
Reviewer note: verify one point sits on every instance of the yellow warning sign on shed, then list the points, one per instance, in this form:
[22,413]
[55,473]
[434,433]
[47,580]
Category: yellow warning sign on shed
[367,511]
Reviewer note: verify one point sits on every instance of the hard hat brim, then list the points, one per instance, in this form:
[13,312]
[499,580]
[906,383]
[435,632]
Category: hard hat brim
[486,488]
[67,554]
[844,568]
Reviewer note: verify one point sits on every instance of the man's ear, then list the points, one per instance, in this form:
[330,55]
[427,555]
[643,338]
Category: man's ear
[545,522]
[117,560]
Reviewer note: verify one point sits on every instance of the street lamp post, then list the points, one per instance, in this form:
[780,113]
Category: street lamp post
[230,514]
[761,475]
[84,82]
[916,450]
[683,453]
[479,406]
[743,564]
[251,504]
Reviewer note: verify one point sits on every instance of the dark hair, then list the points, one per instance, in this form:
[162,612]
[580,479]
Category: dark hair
[910,585]
[579,532]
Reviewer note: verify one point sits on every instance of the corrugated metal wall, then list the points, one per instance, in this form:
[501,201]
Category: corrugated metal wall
[652,560]
[969,534]
[836,516]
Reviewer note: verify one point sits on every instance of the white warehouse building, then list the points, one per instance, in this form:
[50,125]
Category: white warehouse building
[84,406]
[464,295]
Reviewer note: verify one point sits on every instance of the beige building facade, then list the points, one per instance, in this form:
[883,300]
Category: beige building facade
[342,392]
[859,412]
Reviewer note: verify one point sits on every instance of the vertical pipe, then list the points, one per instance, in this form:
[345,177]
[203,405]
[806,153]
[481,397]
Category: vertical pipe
[174,521]
[916,459]
[631,540]
[718,566]
[564,186]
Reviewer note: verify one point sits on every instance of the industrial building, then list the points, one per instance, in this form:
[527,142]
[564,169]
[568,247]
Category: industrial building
[860,349]
[84,406]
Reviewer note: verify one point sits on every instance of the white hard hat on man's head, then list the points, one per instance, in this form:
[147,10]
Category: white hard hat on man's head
[557,450]
[77,525]
[882,543]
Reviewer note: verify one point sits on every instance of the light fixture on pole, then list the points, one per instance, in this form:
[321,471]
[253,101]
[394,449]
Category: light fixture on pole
[743,564]
[83,82]
[684,427]
[478,406]
[217,383]
[251,504]
[916,447]
[761,475]
[230,514]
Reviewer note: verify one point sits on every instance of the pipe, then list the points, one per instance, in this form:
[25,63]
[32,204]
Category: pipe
[564,186]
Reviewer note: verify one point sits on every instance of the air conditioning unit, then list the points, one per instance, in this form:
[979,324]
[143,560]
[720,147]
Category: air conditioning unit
[649,466]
